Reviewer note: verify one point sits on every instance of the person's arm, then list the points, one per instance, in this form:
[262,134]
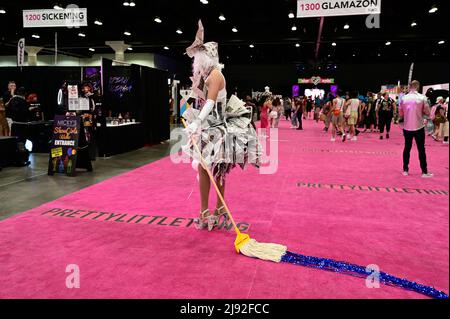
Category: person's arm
[401,113]
[426,107]
[378,110]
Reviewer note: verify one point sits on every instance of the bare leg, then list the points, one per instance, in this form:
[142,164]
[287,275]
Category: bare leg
[221,186]
[205,185]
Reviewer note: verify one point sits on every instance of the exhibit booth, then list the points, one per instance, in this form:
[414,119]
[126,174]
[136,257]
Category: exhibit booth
[130,104]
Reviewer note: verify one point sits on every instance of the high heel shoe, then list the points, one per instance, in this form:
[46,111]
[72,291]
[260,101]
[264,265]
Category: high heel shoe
[222,217]
[203,221]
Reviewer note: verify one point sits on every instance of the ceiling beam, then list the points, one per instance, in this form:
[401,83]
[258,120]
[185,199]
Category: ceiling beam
[319,38]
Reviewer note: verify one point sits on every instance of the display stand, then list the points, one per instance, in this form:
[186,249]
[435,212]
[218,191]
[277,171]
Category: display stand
[69,149]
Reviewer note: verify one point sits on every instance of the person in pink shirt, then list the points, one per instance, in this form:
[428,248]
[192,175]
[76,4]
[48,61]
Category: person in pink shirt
[414,106]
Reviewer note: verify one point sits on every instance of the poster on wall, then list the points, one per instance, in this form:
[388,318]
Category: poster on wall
[92,75]
[333,8]
[64,145]
[71,17]
[73,97]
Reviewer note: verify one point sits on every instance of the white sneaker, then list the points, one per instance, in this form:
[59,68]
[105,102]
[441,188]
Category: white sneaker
[354,139]
[445,142]
[333,139]
[428,175]
[405,173]
[348,136]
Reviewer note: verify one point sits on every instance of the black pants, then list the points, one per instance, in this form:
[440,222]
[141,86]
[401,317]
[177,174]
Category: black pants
[419,136]
[288,114]
[300,120]
[385,122]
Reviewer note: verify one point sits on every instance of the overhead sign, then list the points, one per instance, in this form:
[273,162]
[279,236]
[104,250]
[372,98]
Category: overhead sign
[331,8]
[316,80]
[51,18]
[21,52]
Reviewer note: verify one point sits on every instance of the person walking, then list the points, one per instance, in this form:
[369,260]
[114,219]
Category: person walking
[337,117]
[386,111]
[352,114]
[287,108]
[414,106]
[300,106]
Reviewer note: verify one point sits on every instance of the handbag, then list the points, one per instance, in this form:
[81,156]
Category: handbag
[273,115]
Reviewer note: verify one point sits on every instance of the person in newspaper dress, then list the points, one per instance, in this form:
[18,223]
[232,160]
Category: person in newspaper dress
[224,132]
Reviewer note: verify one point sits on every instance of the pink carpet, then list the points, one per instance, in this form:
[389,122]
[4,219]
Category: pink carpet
[348,202]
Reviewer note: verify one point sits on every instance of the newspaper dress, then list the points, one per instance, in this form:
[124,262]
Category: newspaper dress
[228,136]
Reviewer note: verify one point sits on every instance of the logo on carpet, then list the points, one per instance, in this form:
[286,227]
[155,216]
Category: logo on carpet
[135,218]
[356,152]
[375,189]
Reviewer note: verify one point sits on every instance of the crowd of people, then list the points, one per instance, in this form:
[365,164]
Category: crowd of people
[349,114]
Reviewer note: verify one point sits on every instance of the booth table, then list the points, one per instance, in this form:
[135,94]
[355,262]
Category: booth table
[8,146]
[119,139]
[39,133]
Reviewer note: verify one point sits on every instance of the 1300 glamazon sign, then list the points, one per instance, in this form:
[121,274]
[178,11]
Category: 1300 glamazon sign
[329,8]
[72,17]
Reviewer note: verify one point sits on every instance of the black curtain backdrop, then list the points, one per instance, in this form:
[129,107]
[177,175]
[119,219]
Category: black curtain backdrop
[155,104]
[44,81]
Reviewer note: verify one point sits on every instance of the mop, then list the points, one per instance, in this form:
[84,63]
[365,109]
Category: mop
[249,247]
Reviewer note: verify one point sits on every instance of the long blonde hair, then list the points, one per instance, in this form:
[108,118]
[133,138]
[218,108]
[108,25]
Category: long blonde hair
[203,64]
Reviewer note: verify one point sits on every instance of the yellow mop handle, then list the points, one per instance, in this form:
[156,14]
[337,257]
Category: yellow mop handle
[211,177]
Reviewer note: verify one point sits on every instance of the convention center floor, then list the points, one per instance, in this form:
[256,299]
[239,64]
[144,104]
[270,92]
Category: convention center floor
[128,227]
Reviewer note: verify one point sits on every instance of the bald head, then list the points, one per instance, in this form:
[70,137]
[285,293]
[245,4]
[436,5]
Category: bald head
[415,85]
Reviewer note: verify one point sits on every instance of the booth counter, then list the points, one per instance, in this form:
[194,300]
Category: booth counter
[118,139]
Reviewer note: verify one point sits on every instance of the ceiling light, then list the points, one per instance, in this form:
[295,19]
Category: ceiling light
[413,24]
[222,17]
[2,11]
[126,4]
[379,54]
[166,48]
[57,7]
[406,54]
[81,35]
[127,33]
[204,1]
[441,42]
[98,22]
[179,31]
[92,49]
[130,49]
[251,46]
[334,44]
[291,15]
[235,30]
[346,26]
[36,36]
[158,20]
[297,45]
[433,9]
[294,28]
[354,54]
[132,4]
[388,43]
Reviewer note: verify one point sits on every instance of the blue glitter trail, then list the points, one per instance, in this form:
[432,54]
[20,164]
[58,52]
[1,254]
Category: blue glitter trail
[360,272]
